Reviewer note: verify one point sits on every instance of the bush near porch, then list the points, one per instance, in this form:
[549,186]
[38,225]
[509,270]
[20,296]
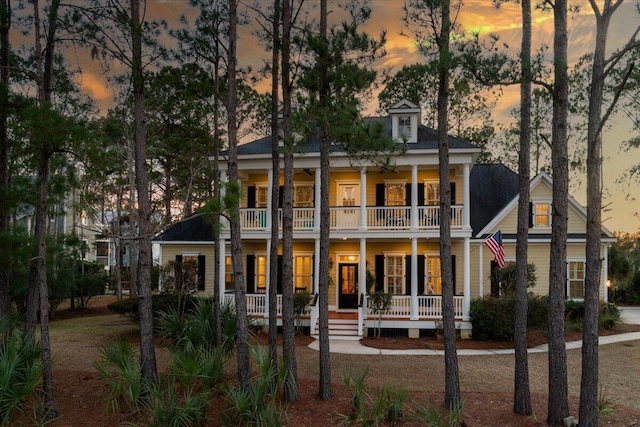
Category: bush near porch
[492,318]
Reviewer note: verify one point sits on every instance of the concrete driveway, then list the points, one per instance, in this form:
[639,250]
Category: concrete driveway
[630,315]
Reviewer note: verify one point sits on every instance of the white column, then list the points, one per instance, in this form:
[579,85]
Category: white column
[605,271]
[316,267]
[362,278]
[268,279]
[316,205]
[362,272]
[480,270]
[466,281]
[414,197]
[269,201]
[414,279]
[161,264]
[221,270]
[466,209]
[363,199]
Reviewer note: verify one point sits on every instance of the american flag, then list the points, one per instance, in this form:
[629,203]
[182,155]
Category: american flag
[494,243]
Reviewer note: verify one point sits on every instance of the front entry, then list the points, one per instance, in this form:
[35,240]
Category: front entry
[348,289]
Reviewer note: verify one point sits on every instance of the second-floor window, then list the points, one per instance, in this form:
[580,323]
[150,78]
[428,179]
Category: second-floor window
[432,193]
[261,197]
[395,194]
[541,214]
[303,196]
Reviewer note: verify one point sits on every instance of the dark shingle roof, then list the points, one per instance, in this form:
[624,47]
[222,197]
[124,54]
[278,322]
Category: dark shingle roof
[491,187]
[427,139]
[195,228]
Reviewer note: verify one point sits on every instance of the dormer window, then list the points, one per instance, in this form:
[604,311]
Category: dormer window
[405,119]
[404,127]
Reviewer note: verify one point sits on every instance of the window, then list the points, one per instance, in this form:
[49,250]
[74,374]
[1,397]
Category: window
[576,279]
[434,276]
[542,214]
[404,127]
[189,272]
[228,275]
[394,274]
[261,274]
[395,194]
[302,273]
[432,193]
[261,197]
[303,196]
[349,195]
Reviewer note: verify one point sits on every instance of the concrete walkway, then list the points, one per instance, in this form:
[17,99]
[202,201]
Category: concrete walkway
[630,315]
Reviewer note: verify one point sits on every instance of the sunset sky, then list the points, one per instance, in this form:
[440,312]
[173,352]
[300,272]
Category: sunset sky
[476,15]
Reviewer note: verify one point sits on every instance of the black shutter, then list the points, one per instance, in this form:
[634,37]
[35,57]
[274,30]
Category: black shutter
[421,262]
[453,193]
[279,284]
[201,270]
[407,194]
[421,194]
[178,272]
[379,273]
[495,284]
[380,194]
[251,197]
[407,275]
[530,214]
[251,274]
[453,273]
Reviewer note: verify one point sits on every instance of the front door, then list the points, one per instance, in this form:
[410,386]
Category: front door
[348,289]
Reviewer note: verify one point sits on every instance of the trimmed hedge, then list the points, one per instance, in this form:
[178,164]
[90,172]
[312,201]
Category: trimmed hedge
[492,318]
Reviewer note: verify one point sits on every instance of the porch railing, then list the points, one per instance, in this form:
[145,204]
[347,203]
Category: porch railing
[348,218]
[428,306]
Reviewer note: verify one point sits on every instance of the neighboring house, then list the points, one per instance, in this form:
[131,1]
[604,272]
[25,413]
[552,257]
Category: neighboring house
[385,222]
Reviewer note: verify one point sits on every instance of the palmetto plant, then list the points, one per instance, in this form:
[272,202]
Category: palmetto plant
[119,367]
[20,373]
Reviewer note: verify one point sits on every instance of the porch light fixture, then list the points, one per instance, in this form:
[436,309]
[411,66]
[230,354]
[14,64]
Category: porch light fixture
[330,262]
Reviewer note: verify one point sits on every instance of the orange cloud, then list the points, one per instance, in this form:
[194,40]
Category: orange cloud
[95,86]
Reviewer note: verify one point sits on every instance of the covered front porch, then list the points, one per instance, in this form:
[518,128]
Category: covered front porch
[354,323]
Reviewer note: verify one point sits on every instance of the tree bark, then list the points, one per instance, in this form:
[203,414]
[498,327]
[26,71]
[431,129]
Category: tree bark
[589,383]
[275,188]
[145,310]
[242,335]
[5,272]
[288,325]
[325,391]
[521,394]
[558,405]
[452,380]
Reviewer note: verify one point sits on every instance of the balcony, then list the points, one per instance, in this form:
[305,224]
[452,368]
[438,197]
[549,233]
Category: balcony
[378,218]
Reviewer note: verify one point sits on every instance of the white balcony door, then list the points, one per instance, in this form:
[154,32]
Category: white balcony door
[348,195]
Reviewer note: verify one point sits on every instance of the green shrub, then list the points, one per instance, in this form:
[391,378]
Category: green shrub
[538,312]
[20,375]
[574,310]
[160,303]
[492,318]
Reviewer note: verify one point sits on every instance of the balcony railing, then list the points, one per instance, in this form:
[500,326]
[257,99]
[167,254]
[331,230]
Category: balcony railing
[348,218]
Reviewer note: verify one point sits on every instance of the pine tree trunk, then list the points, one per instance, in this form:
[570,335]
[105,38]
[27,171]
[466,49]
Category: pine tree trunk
[275,189]
[288,320]
[589,383]
[558,405]
[145,310]
[325,391]
[521,394]
[242,333]
[5,272]
[452,381]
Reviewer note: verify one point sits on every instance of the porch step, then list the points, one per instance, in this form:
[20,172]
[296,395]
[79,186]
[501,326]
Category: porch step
[341,329]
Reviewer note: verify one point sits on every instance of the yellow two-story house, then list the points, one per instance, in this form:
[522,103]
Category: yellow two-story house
[384,221]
